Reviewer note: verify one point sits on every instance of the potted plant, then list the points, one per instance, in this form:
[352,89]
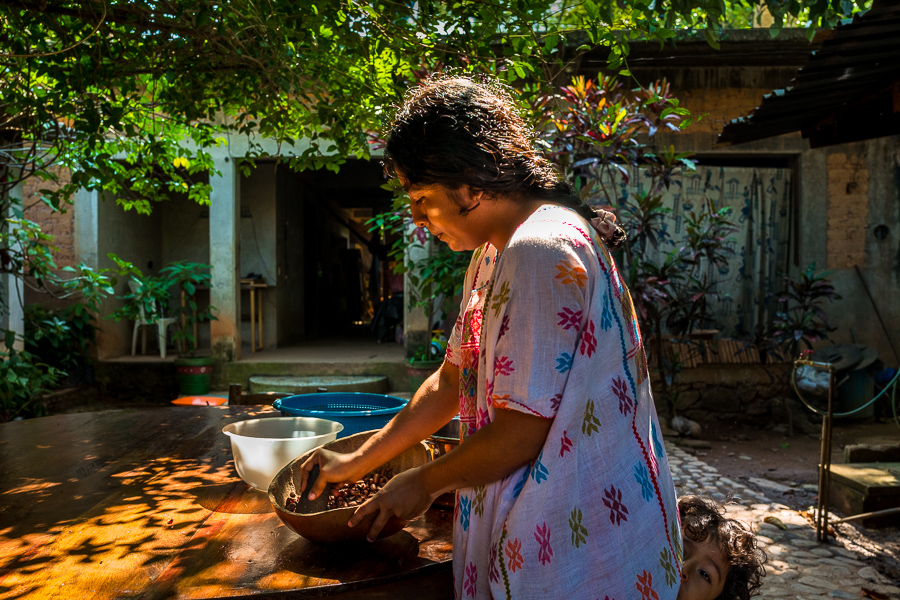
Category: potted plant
[194,372]
[426,360]
[146,303]
[149,301]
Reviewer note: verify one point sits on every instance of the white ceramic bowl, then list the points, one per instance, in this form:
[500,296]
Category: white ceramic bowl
[262,447]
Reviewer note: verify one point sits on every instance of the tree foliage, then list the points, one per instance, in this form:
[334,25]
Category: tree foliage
[130,97]
[157,82]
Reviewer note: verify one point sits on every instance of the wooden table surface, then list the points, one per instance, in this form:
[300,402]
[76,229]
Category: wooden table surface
[146,503]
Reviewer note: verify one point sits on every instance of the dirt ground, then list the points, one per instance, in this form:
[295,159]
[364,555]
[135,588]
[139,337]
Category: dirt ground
[740,452]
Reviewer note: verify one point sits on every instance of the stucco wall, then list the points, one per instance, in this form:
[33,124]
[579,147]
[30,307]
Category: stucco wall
[862,194]
[136,238]
[843,194]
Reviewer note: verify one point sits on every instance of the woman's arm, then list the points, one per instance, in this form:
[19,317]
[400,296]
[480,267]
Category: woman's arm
[432,406]
[495,451]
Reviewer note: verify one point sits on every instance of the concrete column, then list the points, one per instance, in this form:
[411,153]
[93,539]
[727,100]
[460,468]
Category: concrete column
[86,207]
[11,287]
[416,326]
[224,256]
[87,227]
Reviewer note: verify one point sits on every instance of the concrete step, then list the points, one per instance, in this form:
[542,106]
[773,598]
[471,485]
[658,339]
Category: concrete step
[310,384]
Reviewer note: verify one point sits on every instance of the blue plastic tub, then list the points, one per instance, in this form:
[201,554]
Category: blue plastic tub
[356,411]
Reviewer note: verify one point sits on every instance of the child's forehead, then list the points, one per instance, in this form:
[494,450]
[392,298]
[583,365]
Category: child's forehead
[709,549]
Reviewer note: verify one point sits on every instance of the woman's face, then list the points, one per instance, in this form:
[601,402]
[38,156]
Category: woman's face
[703,571]
[445,214]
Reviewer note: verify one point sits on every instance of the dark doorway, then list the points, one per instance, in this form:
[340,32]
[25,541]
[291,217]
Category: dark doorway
[345,275]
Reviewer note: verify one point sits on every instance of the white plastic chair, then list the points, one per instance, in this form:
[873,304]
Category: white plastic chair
[162,326]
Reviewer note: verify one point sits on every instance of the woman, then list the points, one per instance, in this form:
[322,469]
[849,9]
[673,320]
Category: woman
[563,486]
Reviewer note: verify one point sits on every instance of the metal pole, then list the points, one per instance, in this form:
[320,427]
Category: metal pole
[829,429]
[825,452]
[877,513]
[821,495]
[825,464]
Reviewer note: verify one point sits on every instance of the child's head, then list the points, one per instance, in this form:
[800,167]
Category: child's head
[721,560]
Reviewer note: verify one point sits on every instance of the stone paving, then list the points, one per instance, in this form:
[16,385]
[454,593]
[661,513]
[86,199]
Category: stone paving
[798,567]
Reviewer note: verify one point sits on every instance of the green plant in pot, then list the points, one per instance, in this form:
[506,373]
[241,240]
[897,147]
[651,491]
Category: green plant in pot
[194,372]
[425,361]
[146,302]
[150,300]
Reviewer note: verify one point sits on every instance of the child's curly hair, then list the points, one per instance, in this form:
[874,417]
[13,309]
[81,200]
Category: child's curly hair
[701,518]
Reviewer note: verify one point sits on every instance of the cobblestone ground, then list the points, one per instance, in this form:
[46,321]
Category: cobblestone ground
[798,567]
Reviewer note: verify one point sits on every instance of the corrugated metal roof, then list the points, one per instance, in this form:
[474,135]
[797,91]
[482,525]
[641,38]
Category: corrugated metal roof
[849,90]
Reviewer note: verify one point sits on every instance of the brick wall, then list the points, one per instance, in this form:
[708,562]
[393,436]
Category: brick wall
[59,224]
[718,106]
[848,210]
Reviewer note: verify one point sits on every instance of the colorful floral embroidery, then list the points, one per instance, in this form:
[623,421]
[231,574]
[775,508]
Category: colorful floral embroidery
[545,551]
[565,444]
[665,561]
[504,326]
[571,273]
[588,341]
[620,389]
[478,500]
[518,489]
[471,579]
[579,531]
[606,315]
[484,417]
[645,587]
[464,508]
[501,298]
[569,318]
[591,423]
[539,472]
[675,534]
[514,554]
[494,572]
[617,510]
[643,479]
[554,402]
[503,365]
[564,362]
[500,400]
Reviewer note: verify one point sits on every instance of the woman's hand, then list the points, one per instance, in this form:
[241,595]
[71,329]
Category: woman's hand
[404,497]
[333,467]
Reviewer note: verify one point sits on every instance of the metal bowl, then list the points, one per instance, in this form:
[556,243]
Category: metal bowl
[440,443]
[313,520]
[446,438]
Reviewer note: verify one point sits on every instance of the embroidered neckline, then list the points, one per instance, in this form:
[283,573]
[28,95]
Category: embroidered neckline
[489,259]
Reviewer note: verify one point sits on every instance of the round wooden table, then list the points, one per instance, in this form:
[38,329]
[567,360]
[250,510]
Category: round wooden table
[146,503]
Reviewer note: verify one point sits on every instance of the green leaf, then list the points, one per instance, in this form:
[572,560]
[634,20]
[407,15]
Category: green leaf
[711,38]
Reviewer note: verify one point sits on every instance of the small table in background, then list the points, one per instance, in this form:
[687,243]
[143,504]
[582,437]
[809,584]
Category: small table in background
[255,287]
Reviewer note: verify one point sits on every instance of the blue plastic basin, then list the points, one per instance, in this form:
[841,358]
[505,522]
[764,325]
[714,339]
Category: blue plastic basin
[356,411]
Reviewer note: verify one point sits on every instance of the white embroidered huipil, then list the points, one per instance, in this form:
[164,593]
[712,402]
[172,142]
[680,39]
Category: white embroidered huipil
[548,328]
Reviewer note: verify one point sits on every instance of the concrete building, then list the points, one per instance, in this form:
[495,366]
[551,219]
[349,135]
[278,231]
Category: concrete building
[303,233]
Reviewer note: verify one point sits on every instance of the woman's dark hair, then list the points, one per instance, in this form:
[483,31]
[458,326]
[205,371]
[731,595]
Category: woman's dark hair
[702,519]
[456,131]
